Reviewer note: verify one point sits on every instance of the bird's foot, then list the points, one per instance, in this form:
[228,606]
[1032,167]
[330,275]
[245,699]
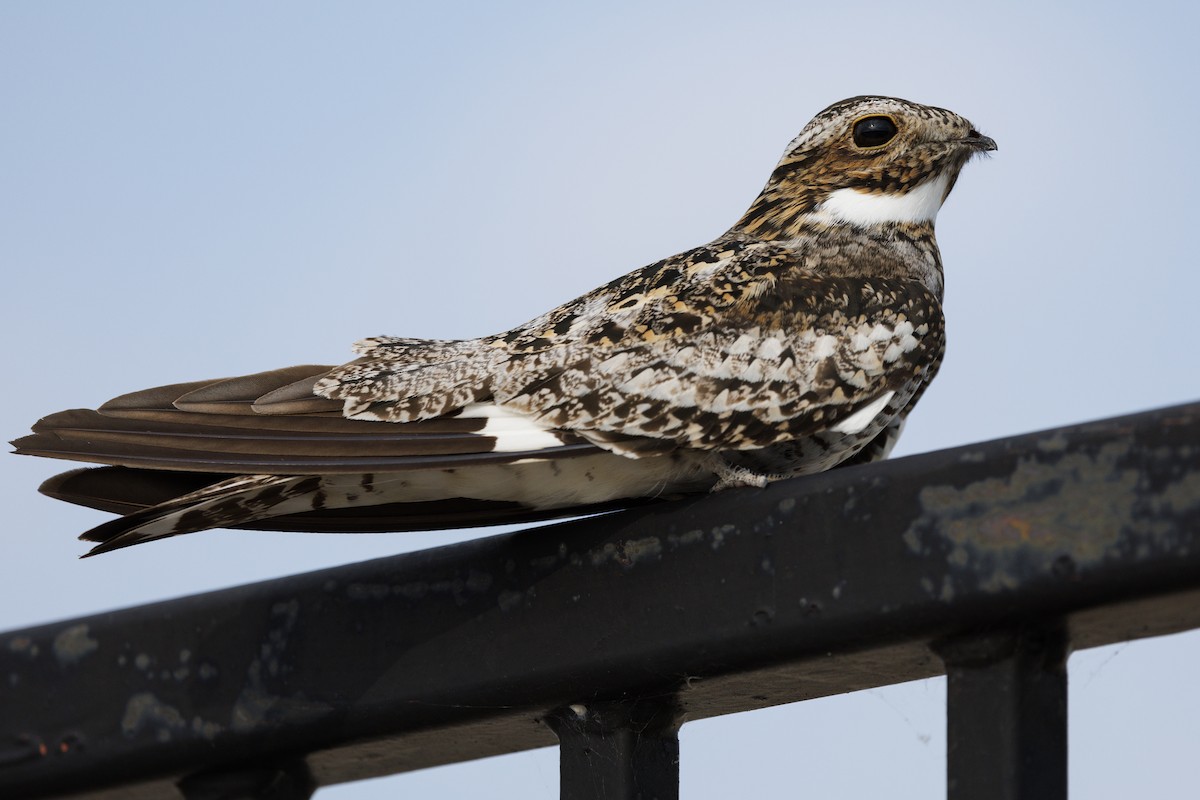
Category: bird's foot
[731,476]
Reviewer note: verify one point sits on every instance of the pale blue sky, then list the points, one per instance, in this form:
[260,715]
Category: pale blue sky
[199,190]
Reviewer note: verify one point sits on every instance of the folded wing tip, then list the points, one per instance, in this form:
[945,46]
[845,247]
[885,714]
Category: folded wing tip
[299,397]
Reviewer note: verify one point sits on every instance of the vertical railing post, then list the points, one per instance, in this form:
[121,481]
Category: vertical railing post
[290,780]
[618,750]
[1006,699]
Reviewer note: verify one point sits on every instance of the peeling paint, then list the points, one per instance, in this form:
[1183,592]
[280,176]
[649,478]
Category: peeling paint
[257,704]
[1079,502]
[145,712]
[627,553]
[1179,497]
[600,556]
[676,540]
[641,549]
[1035,502]
[257,707]
[23,644]
[719,533]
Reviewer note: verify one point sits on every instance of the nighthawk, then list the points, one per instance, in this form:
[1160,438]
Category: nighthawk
[797,341]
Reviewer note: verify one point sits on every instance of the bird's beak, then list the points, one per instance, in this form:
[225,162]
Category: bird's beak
[978,141]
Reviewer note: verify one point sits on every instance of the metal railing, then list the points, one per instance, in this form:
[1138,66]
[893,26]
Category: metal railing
[987,563]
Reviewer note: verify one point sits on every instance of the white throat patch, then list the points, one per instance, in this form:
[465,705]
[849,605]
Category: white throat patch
[919,205]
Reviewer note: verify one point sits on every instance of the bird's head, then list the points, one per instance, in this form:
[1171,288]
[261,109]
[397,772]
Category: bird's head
[866,161]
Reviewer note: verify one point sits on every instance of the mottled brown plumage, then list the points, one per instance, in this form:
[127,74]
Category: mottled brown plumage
[797,341]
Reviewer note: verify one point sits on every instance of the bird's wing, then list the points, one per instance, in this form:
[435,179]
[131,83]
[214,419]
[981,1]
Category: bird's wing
[804,359]
[192,456]
[733,345]
[212,426]
[405,380]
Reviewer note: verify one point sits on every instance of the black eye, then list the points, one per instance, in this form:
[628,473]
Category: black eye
[874,131]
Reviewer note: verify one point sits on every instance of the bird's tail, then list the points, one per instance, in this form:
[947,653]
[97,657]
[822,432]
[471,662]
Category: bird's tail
[230,502]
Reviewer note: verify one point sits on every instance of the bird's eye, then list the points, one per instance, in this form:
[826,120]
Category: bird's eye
[874,131]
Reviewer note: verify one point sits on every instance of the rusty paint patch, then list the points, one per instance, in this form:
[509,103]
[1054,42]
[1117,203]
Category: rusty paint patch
[1077,504]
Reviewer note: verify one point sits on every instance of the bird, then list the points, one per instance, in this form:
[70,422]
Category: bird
[796,342]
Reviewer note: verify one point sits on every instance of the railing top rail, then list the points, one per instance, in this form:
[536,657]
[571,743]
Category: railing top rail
[729,602]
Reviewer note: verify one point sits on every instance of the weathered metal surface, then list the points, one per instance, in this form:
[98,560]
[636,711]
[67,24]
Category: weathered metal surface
[289,780]
[734,601]
[623,750]
[1006,699]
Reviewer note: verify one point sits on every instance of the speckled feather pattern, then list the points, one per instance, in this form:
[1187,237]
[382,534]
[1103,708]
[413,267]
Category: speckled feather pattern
[736,345]
[796,342]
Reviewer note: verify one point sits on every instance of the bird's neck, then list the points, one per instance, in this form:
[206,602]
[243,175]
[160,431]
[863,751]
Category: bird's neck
[903,251]
[854,232]
[893,250]
[919,205]
[788,205]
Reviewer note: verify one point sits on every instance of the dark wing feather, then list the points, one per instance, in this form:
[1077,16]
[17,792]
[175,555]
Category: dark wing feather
[184,445]
[221,433]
